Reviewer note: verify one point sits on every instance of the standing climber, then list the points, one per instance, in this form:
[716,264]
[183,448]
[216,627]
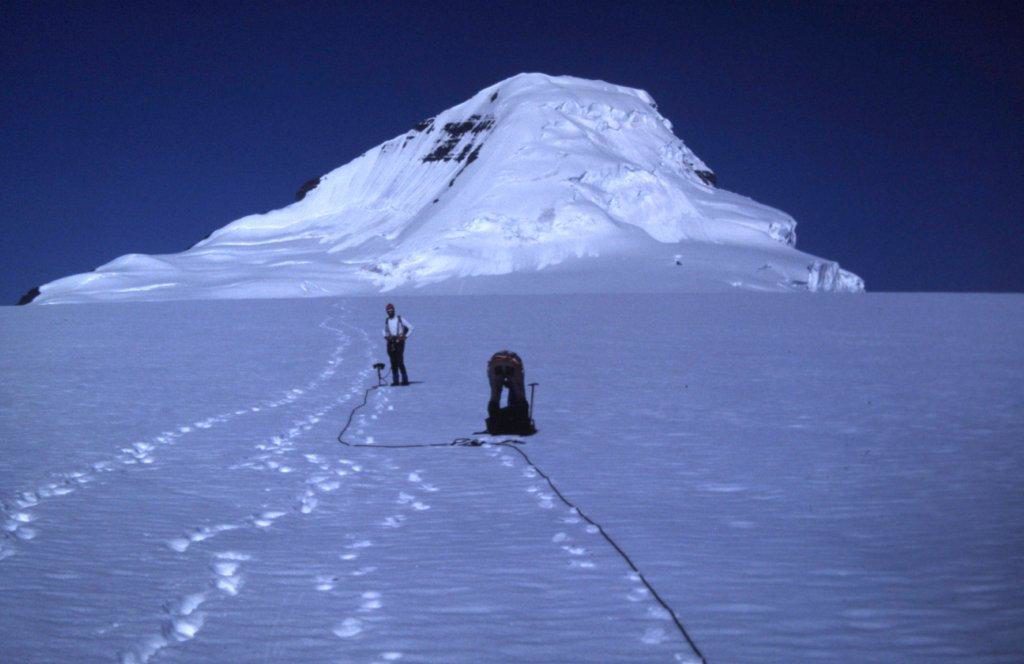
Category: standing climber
[396,331]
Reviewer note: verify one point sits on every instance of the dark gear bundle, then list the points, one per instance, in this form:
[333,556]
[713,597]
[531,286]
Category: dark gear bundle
[505,371]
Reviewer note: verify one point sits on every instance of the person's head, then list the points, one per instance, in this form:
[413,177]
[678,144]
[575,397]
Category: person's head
[390,309]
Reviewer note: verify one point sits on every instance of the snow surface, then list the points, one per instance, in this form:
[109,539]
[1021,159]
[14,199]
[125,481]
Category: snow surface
[529,174]
[802,479]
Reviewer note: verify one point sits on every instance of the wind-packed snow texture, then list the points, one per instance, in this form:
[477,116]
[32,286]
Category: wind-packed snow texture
[564,183]
[802,479]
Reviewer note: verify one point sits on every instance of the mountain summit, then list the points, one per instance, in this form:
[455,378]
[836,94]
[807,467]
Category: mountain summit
[535,184]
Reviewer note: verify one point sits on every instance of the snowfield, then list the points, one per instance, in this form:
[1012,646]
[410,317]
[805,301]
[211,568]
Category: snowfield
[801,479]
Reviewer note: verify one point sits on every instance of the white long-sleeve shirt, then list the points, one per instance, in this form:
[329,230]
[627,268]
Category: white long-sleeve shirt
[393,327]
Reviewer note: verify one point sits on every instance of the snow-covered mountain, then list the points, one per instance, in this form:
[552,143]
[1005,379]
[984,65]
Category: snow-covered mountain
[535,184]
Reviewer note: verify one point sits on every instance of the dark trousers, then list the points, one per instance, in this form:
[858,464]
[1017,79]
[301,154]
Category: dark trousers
[396,355]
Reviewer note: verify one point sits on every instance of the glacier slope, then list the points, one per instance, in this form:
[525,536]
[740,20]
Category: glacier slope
[533,172]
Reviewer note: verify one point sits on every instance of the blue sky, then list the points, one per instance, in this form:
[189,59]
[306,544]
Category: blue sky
[890,131]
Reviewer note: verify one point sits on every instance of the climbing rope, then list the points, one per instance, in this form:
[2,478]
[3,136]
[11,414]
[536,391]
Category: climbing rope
[458,442]
[619,549]
[513,444]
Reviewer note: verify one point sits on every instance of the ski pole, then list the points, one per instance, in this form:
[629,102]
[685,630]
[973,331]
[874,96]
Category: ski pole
[533,386]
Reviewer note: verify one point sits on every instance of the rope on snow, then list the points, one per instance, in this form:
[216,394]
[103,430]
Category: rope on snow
[513,444]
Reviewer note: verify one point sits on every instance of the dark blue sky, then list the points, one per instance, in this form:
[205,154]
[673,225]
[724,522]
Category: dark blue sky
[892,132]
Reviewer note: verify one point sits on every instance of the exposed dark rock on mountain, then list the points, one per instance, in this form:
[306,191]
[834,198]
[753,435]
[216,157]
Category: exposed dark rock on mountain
[707,177]
[307,186]
[453,135]
[30,295]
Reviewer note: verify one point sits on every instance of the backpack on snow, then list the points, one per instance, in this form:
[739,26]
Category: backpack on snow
[505,370]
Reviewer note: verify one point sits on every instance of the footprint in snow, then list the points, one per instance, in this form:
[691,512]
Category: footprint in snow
[27,499]
[137,453]
[184,618]
[654,635]
[185,621]
[266,519]
[371,601]
[565,541]
[186,605]
[225,567]
[182,624]
[410,501]
[544,500]
[326,485]
[63,488]
[658,613]
[181,544]
[17,526]
[639,593]
[325,583]
[308,503]
[183,628]
[348,628]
